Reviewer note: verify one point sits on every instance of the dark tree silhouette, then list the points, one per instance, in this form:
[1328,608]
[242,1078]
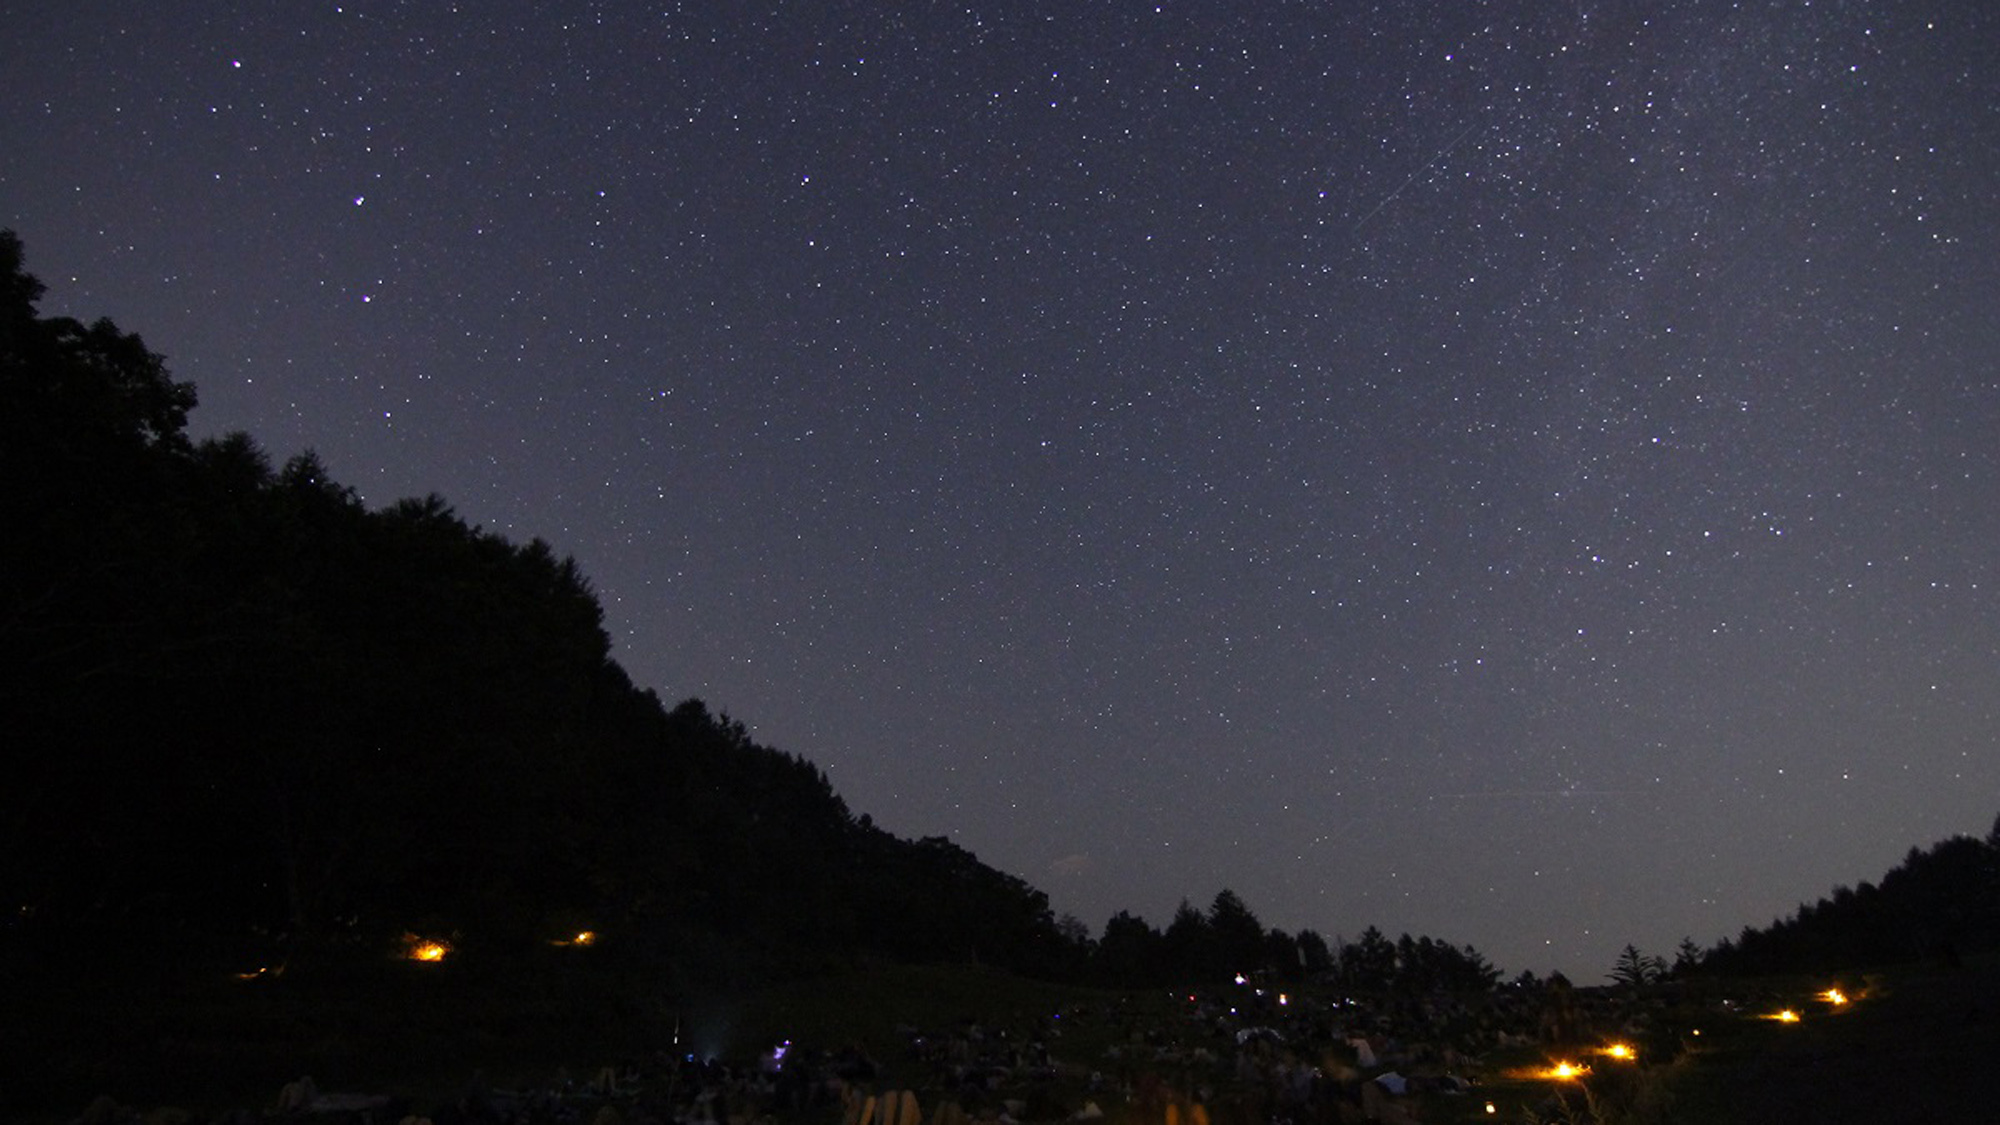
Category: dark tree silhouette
[1939,903]
[246,710]
[1131,953]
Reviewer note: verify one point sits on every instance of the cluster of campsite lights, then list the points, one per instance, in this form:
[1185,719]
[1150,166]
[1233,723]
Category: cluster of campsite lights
[1283,998]
[432,950]
[1565,1070]
[1833,997]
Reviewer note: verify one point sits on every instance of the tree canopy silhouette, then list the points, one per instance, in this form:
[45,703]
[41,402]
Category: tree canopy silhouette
[248,707]
[247,710]
[1940,903]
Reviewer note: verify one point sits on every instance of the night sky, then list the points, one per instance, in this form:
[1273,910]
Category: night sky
[1524,473]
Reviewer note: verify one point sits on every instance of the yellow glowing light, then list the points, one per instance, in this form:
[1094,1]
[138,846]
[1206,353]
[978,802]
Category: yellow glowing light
[1559,1071]
[1786,1016]
[581,937]
[1834,996]
[1284,999]
[429,950]
[1620,1051]
[1491,1108]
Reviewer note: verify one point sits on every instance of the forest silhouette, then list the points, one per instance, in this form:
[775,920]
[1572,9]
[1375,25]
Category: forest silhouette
[254,720]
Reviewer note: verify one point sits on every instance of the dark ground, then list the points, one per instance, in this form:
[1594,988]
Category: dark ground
[1918,1045]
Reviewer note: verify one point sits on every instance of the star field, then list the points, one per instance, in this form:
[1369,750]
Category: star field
[1521,474]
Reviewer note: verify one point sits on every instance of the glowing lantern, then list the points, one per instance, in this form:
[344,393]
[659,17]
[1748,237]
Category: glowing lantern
[1623,1052]
[1834,996]
[1786,1016]
[1559,1072]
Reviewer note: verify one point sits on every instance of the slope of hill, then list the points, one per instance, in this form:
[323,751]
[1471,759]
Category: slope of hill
[1940,904]
[1914,1046]
[253,720]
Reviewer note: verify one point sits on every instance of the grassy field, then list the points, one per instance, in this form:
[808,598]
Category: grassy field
[1912,1047]
[869,1007]
[207,1042]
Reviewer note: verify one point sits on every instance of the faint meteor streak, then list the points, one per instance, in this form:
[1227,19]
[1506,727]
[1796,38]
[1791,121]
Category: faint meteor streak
[1440,154]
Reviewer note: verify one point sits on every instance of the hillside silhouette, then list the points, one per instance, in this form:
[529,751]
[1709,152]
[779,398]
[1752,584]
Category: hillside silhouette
[258,723]
[258,727]
[254,719]
[1940,905]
